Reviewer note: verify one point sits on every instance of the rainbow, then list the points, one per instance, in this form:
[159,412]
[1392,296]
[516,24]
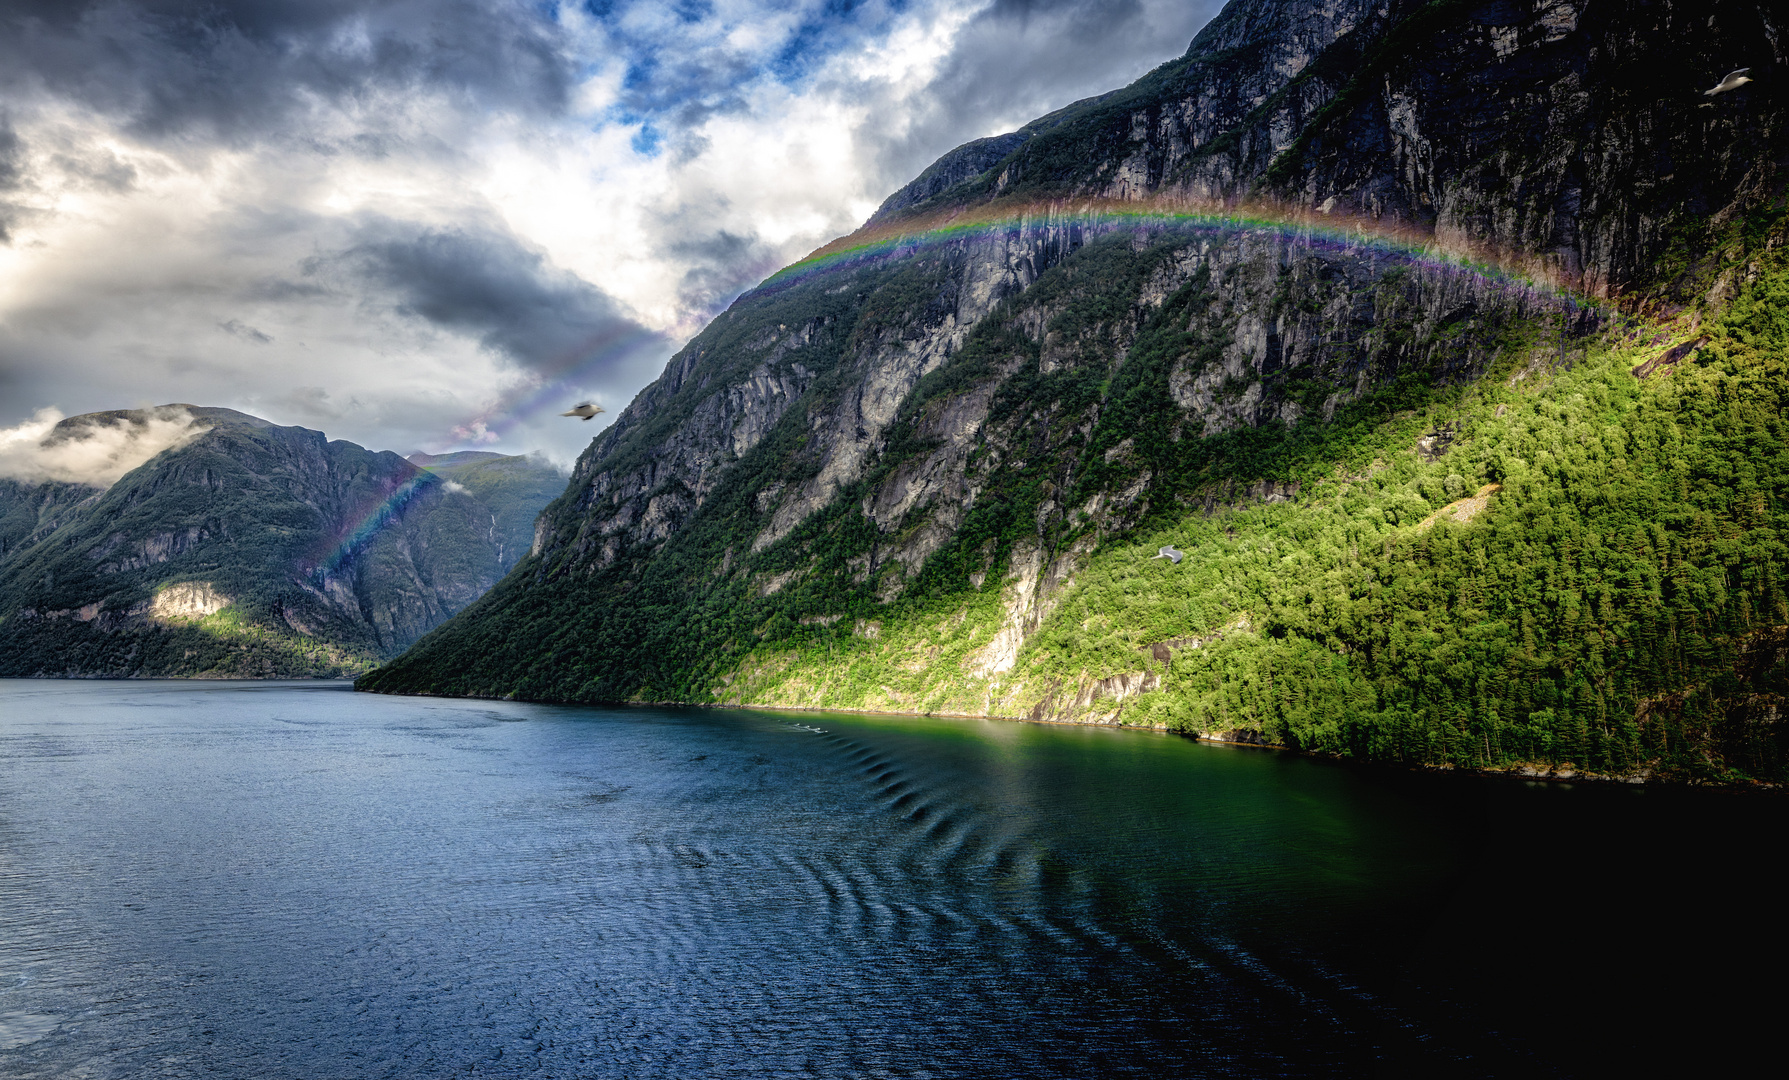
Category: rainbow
[562,378]
[1343,233]
[1310,228]
[365,521]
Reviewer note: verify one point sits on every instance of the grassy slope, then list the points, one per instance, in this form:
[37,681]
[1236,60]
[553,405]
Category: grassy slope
[1618,604]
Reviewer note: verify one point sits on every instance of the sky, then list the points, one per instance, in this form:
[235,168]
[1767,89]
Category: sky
[436,224]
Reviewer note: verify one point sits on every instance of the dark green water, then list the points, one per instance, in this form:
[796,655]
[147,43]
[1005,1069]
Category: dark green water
[292,880]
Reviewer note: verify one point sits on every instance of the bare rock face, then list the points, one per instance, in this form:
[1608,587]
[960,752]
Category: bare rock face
[966,162]
[1277,310]
[1573,136]
[973,409]
[31,511]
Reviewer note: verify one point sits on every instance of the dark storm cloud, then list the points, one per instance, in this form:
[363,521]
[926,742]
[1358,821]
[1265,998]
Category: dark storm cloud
[488,285]
[236,68]
[238,328]
[718,265]
[100,170]
[12,153]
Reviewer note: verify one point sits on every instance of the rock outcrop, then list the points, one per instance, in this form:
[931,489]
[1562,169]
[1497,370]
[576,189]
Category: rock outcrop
[1571,138]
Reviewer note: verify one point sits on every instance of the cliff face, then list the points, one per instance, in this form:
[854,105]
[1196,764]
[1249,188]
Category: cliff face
[1574,136]
[910,458]
[250,550]
[1544,130]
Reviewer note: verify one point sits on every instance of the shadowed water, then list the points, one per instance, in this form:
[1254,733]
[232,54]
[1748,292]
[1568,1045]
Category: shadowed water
[292,880]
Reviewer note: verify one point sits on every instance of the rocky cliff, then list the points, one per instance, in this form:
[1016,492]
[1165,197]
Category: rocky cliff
[1305,294]
[247,549]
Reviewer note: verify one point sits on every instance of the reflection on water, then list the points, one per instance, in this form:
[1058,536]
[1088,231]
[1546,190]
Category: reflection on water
[292,880]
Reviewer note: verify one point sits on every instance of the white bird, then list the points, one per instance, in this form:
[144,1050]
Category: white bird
[1169,554]
[1734,80]
[584,411]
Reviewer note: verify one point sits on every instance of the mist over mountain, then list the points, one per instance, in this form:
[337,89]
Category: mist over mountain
[206,542]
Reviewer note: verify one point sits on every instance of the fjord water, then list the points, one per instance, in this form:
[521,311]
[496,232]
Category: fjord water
[294,880]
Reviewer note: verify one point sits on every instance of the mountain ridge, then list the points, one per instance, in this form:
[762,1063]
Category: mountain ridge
[926,469]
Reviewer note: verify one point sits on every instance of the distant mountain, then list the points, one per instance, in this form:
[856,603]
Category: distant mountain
[458,457]
[514,489]
[1444,338]
[249,549]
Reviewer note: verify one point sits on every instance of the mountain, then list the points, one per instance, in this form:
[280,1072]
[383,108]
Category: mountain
[247,549]
[1444,339]
[458,457]
[513,489]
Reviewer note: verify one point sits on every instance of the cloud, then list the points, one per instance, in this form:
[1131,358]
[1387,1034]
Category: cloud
[231,69]
[491,286]
[1016,60]
[12,160]
[94,450]
[423,223]
[309,404]
[238,328]
[11,155]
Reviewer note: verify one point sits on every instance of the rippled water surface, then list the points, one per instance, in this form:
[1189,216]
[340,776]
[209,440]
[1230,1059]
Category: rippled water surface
[293,880]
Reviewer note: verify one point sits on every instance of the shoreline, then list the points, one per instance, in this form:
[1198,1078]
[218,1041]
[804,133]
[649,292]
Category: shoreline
[1527,773]
[1522,772]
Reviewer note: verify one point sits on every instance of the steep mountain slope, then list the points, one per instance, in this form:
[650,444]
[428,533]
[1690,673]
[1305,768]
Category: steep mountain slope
[1347,304]
[31,511]
[513,489]
[249,550]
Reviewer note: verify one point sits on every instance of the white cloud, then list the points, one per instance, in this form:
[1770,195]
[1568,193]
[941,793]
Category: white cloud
[643,172]
[96,453]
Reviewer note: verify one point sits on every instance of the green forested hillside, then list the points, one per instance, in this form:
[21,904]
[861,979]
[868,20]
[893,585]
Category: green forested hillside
[1555,562]
[1430,511]
[1618,603]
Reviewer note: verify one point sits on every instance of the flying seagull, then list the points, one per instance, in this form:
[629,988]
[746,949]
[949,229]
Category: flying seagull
[1170,554]
[584,411]
[1733,81]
